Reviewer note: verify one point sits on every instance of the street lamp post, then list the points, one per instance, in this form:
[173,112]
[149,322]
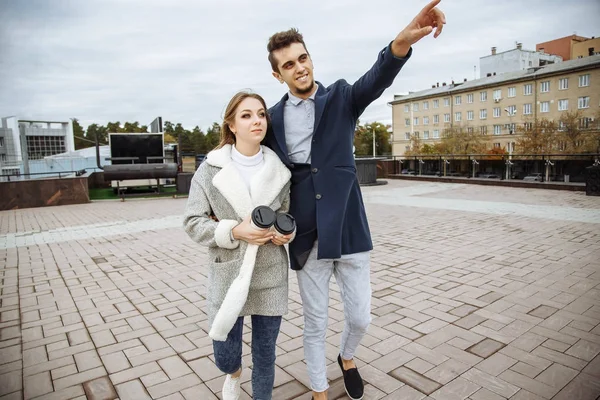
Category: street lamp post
[511,113]
[373,128]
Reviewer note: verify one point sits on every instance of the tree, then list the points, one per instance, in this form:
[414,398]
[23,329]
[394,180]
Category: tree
[102,132]
[78,134]
[461,140]
[363,139]
[212,137]
[537,137]
[198,141]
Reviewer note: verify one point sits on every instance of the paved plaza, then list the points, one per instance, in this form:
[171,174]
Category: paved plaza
[479,292]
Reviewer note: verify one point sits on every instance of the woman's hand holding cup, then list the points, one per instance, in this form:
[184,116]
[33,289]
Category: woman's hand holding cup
[250,233]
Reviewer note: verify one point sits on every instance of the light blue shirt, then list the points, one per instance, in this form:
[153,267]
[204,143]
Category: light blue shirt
[299,124]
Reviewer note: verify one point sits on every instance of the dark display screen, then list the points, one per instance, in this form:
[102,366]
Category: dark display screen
[139,145]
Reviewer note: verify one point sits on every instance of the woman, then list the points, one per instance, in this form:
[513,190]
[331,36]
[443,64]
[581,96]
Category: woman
[237,176]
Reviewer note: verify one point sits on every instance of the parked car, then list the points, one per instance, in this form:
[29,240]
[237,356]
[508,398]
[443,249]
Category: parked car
[408,172]
[454,174]
[488,175]
[534,177]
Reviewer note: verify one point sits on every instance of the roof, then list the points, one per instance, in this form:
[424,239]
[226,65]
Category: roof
[495,80]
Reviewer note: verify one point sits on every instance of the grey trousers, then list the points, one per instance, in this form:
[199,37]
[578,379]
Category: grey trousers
[353,276]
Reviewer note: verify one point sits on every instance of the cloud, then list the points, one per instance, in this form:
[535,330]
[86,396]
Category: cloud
[133,60]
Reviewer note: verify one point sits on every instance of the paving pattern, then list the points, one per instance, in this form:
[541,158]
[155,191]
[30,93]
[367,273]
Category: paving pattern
[479,293]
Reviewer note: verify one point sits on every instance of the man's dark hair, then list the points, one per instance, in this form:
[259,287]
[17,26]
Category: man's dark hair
[281,40]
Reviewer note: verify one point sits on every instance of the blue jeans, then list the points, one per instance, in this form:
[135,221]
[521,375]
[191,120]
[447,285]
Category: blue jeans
[228,354]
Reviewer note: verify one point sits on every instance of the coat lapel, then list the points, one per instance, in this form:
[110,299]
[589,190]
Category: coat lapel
[320,103]
[265,186]
[279,127]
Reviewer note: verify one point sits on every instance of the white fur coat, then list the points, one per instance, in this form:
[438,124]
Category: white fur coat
[217,189]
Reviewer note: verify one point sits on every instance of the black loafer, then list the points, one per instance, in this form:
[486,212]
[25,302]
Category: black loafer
[353,382]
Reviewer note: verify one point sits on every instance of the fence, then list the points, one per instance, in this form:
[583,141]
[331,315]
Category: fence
[535,167]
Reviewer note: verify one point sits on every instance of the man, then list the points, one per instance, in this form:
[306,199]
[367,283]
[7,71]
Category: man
[312,132]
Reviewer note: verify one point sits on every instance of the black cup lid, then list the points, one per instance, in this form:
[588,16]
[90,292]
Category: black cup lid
[263,217]
[285,223]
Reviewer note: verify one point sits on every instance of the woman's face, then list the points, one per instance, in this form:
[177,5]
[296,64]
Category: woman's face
[250,124]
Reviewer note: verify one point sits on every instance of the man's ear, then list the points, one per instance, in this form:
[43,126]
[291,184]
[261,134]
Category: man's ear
[277,76]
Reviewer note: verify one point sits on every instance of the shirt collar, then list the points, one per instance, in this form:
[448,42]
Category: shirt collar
[296,100]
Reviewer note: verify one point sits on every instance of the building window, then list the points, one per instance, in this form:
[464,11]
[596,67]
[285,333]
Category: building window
[583,102]
[496,112]
[436,119]
[512,91]
[436,104]
[527,89]
[425,105]
[544,106]
[527,109]
[446,101]
[584,123]
[436,134]
[425,120]
[469,129]
[457,116]
[470,98]
[425,134]
[1,142]
[39,147]
[406,148]
[545,87]
[3,157]
[563,83]
[561,125]
[496,145]
[511,128]
[528,126]
[584,80]
[512,110]
[415,106]
[497,129]
[406,108]
[483,96]
[446,117]
[457,100]
[407,122]
[483,129]
[497,94]
[470,115]
[407,136]
[416,134]
[563,105]
[483,113]
[416,121]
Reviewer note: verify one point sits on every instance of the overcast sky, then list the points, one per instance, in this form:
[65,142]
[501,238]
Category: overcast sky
[134,60]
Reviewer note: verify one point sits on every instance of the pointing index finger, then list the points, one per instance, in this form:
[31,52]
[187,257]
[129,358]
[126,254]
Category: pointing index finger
[429,7]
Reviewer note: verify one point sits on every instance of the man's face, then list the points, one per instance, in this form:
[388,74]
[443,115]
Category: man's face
[295,69]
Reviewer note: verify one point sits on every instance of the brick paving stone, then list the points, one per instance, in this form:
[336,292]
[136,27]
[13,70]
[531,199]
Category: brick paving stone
[99,389]
[415,380]
[119,288]
[485,348]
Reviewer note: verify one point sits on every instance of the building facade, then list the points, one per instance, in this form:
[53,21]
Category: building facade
[590,47]
[495,105]
[24,141]
[561,47]
[515,59]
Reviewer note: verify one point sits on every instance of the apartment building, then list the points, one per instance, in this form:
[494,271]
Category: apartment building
[514,60]
[562,47]
[496,104]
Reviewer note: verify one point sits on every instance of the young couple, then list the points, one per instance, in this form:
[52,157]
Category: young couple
[305,167]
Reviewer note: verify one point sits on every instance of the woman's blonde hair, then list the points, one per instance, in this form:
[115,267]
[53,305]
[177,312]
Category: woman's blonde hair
[227,136]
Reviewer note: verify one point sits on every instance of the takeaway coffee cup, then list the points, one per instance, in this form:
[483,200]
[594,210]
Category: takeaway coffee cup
[263,217]
[284,223]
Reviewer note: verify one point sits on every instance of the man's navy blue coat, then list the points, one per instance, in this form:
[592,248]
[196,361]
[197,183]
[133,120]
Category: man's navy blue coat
[326,200]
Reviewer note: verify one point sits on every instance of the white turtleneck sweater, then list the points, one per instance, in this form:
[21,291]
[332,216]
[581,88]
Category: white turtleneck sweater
[247,166]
